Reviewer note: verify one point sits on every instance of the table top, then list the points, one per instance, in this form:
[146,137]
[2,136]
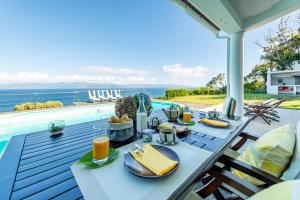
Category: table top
[114,177]
[36,166]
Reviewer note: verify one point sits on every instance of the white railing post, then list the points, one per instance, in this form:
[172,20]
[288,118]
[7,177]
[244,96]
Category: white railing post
[236,70]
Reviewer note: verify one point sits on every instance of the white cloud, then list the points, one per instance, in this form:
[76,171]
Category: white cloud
[185,75]
[113,71]
[169,74]
[88,74]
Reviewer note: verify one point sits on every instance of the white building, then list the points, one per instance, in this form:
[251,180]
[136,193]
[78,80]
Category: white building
[284,82]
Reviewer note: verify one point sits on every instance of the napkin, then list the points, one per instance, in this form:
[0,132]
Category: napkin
[156,162]
[214,122]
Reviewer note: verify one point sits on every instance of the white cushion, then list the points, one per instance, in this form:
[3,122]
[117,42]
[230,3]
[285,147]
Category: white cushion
[293,171]
[226,105]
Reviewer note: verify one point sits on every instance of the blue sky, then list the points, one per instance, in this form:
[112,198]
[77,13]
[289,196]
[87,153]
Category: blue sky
[134,42]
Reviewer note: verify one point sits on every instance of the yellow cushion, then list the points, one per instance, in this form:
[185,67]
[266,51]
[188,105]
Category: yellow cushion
[288,190]
[154,160]
[271,153]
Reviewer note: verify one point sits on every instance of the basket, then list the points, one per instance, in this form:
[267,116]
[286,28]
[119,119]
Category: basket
[120,132]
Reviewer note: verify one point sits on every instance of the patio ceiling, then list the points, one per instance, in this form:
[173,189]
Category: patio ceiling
[236,15]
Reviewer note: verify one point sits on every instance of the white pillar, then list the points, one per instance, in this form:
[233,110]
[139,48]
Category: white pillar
[236,70]
[228,64]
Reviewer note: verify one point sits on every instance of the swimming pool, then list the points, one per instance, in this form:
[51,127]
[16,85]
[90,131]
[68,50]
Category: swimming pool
[12,124]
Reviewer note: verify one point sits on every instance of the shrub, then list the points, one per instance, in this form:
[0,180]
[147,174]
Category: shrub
[171,93]
[38,105]
[254,87]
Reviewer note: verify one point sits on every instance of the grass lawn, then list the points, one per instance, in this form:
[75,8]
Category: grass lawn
[293,102]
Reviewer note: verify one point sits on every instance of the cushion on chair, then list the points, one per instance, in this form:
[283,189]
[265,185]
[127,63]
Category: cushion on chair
[288,190]
[226,105]
[229,106]
[293,171]
[272,153]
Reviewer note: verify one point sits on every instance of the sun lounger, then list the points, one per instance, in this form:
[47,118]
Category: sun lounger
[112,97]
[103,96]
[92,96]
[95,96]
[264,110]
[100,96]
[107,95]
[118,94]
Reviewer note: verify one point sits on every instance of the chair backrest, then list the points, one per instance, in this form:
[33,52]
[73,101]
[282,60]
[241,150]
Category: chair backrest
[90,94]
[102,93]
[107,94]
[99,95]
[269,101]
[119,94]
[94,94]
[114,93]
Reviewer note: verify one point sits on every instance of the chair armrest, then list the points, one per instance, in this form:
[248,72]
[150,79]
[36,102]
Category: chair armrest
[234,181]
[244,137]
[248,136]
[249,170]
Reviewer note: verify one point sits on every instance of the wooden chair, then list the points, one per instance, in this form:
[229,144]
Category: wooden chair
[265,110]
[220,176]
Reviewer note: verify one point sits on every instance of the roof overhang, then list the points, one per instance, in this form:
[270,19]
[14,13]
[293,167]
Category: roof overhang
[236,15]
[285,74]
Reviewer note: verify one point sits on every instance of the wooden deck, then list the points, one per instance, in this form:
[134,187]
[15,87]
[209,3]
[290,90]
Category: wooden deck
[36,166]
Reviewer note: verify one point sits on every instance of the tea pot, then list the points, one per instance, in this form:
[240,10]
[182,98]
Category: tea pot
[154,122]
[173,112]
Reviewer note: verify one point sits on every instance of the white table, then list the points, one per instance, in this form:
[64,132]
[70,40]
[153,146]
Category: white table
[114,182]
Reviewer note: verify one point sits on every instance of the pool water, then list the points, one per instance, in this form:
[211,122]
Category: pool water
[2,145]
[12,124]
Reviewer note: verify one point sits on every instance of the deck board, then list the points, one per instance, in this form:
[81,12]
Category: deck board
[38,166]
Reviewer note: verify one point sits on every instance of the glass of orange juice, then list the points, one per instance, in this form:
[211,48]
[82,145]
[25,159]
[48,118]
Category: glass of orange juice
[100,149]
[187,116]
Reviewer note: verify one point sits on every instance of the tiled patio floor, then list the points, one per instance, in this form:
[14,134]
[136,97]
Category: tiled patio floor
[258,127]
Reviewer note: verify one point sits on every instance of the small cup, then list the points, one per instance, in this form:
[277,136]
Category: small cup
[202,115]
[168,137]
[187,116]
[147,135]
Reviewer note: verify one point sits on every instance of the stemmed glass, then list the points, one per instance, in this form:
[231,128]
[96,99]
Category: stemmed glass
[97,125]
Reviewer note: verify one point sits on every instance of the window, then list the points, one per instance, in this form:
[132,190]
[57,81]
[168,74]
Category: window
[280,80]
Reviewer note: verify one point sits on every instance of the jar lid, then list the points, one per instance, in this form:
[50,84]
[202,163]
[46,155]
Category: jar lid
[148,131]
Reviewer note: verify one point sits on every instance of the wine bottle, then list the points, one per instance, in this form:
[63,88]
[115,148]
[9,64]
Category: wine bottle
[141,116]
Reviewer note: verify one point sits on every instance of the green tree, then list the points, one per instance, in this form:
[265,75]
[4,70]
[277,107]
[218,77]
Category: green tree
[217,82]
[281,47]
[258,73]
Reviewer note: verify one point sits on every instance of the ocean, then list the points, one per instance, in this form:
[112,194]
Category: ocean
[10,98]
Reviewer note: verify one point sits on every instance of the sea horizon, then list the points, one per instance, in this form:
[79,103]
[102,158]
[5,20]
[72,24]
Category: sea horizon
[11,97]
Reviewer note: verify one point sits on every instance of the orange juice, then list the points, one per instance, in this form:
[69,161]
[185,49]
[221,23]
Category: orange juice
[100,149]
[187,116]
